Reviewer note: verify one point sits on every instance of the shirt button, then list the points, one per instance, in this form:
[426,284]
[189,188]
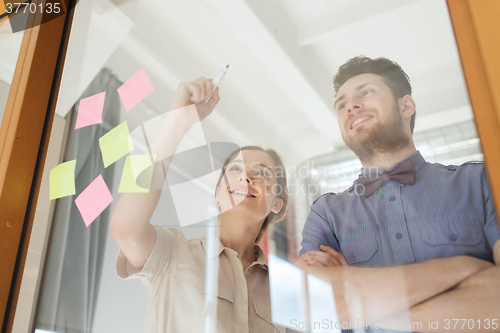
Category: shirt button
[453,237]
[392,198]
[399,236]
[351,257]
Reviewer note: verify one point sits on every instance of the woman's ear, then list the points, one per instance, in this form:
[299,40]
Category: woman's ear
[217,190]
[278,204]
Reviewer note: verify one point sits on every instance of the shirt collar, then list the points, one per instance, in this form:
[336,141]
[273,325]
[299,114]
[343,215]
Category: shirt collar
[417,160]
[219,245]
[261,256]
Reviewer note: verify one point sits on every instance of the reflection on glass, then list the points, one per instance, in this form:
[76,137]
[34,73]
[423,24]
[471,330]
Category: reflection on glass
[278,94]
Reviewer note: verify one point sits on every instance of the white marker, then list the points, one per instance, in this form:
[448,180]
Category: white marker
[218,79]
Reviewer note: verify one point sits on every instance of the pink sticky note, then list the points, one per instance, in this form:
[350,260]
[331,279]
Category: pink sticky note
[135,89]
[90,110]
[93,200]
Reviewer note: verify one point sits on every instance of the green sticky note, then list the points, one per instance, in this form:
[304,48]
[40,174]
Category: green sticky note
[115,144]
[62,180]
[134,166]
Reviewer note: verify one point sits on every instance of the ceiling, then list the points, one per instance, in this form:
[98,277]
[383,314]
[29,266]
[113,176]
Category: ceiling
[282,55]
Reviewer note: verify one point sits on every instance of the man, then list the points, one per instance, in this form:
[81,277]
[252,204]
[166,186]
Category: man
[434,225]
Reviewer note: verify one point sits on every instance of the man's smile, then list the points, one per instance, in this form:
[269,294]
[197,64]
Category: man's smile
[358,120]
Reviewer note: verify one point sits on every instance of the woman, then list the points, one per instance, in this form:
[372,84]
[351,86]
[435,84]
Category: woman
[250,194]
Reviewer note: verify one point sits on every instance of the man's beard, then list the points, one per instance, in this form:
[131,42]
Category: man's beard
[380,138]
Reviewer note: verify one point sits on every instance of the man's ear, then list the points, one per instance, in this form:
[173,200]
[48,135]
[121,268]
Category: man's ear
[407,106]
[278,204]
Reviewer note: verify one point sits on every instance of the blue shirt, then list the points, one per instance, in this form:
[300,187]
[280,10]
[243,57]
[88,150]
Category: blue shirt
[448,211]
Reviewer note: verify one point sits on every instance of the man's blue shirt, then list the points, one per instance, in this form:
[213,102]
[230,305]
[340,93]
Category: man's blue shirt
[448,211]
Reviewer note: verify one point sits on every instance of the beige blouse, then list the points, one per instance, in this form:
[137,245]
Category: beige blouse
[174,275]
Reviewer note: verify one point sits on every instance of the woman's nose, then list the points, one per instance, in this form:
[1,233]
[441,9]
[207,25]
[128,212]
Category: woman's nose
[245,177]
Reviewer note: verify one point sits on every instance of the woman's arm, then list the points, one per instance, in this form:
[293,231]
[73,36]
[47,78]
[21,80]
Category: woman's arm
[130,225]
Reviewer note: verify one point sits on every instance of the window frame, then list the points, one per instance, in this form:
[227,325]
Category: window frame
[24,134]
[478,40]
[30,109]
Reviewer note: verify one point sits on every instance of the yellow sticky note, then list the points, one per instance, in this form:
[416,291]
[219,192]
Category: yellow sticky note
[134,166]
[115,144]
[62,180]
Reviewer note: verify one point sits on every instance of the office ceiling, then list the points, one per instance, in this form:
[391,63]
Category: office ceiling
[282,54]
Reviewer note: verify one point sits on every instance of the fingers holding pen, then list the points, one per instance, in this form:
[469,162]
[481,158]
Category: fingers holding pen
[198,90]
[209,86]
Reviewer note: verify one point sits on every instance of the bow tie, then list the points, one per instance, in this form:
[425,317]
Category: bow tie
[403,173]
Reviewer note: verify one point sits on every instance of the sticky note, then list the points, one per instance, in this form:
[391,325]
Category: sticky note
[90,110]
[134,166]
[115,144]
[93,200]
[62,180]
[135,89]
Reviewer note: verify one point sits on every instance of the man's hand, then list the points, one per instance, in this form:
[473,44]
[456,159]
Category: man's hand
[196,92]
[327,257]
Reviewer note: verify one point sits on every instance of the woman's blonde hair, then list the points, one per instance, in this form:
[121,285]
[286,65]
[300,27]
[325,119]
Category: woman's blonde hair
[280,177]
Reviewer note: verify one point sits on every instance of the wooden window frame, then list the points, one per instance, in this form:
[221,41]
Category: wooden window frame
[477,33]
[24,138]
[33,95]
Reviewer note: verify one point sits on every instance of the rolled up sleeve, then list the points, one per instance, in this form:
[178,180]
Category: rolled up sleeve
[166,244]
[317,231]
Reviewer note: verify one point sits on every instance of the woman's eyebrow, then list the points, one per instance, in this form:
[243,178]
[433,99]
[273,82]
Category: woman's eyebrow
[266,166]
[259,163]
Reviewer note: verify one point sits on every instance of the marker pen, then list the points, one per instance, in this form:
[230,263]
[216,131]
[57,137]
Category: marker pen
[216,81]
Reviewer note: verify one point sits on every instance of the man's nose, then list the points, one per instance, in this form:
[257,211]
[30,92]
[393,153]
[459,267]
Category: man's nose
[353,105]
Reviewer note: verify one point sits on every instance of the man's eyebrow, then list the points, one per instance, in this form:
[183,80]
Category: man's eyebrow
[338,100]
[357,89]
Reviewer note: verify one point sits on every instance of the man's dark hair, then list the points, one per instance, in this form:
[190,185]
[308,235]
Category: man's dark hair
[394,76]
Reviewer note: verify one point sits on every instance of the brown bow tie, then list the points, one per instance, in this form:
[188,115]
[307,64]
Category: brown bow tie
[403,173]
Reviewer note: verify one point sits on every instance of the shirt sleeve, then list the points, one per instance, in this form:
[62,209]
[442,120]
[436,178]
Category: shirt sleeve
[490,228]
[166,244]
[318,230]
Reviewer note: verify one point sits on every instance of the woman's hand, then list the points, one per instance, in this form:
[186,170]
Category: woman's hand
[327,257]
[196,92]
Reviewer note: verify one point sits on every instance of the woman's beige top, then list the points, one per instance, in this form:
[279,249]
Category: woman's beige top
[174,275]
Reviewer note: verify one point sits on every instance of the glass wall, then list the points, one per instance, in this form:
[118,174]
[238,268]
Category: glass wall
[121,81]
